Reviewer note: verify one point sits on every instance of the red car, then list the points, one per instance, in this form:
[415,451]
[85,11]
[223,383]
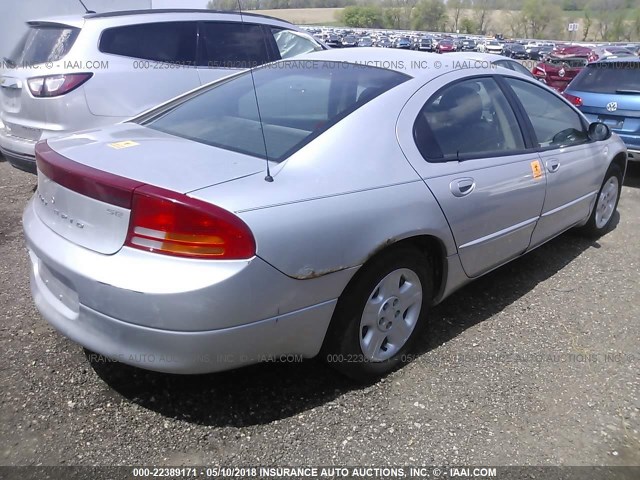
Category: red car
[557,71]
[444,46]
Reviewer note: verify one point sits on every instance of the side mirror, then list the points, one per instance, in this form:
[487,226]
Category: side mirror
[598,131]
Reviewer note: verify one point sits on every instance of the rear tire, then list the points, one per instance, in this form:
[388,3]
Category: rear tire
[604,210]
[379,315]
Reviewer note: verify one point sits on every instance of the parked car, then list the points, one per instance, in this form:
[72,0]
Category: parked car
[514,50]
[349,41]
[611,51]
[424,44]
[383,42]
[609,92]
[365,42]
[402,42]
[333,40]
[468,45]
[445,46]
[76,72]
[538,53]
[557,72]
[270,236]
[572,51]
[491,46]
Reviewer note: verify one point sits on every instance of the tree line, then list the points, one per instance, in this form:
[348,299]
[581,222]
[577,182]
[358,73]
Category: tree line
[600,20]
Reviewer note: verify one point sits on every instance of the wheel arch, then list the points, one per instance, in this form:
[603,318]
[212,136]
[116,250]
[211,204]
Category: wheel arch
[621,161]
[430,246]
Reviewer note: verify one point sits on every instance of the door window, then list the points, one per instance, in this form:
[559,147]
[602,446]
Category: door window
[171,42]
[554,122]
[468,119]
[231,45]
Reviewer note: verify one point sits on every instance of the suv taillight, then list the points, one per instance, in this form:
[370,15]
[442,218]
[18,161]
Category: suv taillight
[539,71]
[174,224]
[56,85]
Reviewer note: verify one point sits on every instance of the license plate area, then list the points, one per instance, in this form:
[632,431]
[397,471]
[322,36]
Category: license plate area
[59,287]
[612,122]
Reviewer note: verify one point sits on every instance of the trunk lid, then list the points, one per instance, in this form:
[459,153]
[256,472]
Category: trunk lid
[86,181]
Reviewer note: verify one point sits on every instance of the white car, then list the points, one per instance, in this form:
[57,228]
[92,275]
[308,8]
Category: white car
[88,71]
[491,46]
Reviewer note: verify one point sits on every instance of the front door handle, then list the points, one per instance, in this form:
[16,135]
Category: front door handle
[553,164]
[462,186]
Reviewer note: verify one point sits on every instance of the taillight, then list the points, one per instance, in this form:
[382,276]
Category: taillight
[577,101]
[174,224]
[539,71]
[56,85]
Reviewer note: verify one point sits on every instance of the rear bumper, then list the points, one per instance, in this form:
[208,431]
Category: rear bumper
[20,161]
[19,152]
[176,316]
[297,333]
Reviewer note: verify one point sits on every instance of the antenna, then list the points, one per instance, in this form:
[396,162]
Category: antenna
[268,177]
[86,10]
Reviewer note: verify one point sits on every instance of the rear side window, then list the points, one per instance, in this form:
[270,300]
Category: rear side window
[44,44]
[291,43]
[164,42]
[298,101]
[468,119]
[614,77]
[231,45]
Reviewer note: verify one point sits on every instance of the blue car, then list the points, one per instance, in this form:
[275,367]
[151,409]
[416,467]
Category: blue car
[608,91]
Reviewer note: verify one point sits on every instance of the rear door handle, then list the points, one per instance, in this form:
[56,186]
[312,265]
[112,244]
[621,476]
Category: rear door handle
[553,164]
[462,186]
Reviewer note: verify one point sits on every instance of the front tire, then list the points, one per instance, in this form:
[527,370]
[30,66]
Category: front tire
[380,314]
[602,216]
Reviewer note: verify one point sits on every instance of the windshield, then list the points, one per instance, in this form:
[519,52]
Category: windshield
[298,101]
[609,77]
[44,44]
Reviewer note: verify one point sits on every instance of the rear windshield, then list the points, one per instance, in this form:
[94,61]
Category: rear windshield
[298,101]
[44,44]
[609,77]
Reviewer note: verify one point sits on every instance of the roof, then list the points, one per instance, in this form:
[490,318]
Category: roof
[79,19]
[122,13]
[414,63]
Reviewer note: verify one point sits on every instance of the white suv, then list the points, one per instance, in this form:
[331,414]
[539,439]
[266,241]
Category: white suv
[80,72]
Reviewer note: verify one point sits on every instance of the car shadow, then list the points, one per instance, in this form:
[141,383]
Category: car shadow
[263,393]
[632,175]
[496,290]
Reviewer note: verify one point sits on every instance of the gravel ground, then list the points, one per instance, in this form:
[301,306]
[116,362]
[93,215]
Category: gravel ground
[535,364]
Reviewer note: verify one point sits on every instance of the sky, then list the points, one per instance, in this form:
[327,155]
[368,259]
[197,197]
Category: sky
[14,13]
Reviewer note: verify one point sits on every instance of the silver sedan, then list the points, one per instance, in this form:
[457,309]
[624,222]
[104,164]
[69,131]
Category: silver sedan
[316,205]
